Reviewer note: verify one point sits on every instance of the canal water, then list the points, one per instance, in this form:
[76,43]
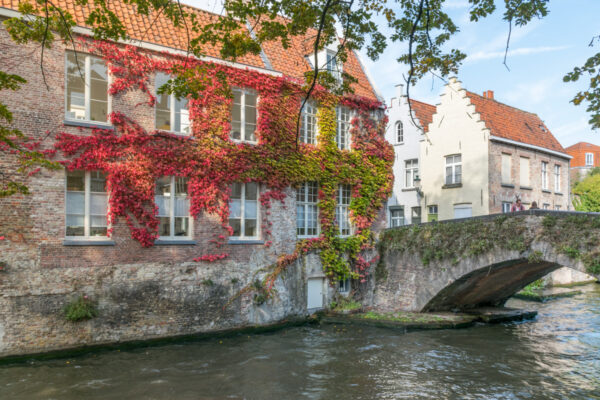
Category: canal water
[555,356]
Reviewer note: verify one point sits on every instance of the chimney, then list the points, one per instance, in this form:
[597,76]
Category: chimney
[490,94]
[400,90]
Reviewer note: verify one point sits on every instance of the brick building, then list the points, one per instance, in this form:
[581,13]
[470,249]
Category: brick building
[586,156]
[481,154]
[56,239]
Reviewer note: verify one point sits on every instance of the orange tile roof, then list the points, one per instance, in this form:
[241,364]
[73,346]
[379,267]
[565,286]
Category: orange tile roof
[424,112]
[578,151]
[514,124]
[291,61]
[145,28]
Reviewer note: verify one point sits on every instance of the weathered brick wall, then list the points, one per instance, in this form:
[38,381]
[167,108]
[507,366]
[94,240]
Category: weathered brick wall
[141,292]
[503,193]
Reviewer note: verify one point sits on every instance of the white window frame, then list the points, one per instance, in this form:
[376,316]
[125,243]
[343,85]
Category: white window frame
[506,206]
[304,188]
[453,165]
[343,209]
[399,132]
[333,65]
[87,218]
[172,215]
[305,135]
[243,92]
[589,159]
[544,175]
[556,208]
[400,218]
[340,123]
[546,206]
[243,215]
[411,170]
[413,211]
[172,99]
[556,178]
[87,94]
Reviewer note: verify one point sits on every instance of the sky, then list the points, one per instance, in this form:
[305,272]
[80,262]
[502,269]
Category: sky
[541,53]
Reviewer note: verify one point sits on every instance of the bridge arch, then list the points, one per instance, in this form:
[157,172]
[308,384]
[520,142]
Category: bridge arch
[482,261]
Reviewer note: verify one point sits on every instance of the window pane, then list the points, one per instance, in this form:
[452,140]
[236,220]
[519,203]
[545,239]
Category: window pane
[76,203]
[250,227]
[235,208]
[458,174]
[250,99]
[75,97]
[300,218]
[236,191]
[97,182]
[250,208]
[236,130]
[448,175]
[98,69]
[164,226]
[251,191]
[182,206]
[98,110]
[236,225]
[182,226]
[164,205]
[76,181]
[98,230]
[163,120]
[98,204]
[99,90]
[249,132]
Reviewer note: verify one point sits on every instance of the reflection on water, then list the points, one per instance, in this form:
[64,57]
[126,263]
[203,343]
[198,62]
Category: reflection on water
[557,356]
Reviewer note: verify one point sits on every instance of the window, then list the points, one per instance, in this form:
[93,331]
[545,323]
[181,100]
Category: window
[86,204]
[342,210]
[332,65]
[506,168]
[171,198]
[506,205]
[171,113]
[396,216]
[453,169]
[308,123]
[243,115]
[557,178]
[343,129]
[544,175]
[399,132]
[546,206]
[307,222]
[589,159]
[557,208]
[243,210]
[524,172]
[415,215]
[344,285]
[432,214]
[463,211]
[86,88]
[411,172]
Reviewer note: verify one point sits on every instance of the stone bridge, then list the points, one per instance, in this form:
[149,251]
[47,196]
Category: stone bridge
[480,261]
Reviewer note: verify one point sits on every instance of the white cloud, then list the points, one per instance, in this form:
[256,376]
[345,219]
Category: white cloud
[523,51]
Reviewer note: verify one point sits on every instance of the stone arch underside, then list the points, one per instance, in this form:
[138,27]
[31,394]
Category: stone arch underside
[491,285]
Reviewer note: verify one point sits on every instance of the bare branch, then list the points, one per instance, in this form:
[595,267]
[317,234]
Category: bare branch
[411,63]
[507,43]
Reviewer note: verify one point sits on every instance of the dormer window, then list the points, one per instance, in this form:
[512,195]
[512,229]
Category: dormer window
[332,66]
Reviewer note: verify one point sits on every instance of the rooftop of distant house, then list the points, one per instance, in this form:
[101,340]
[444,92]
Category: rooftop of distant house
[514,124]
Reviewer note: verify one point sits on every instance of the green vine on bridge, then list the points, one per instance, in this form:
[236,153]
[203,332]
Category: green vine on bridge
[577,236]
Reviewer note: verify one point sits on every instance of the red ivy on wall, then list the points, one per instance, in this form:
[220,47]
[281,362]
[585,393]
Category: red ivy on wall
[133,158]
